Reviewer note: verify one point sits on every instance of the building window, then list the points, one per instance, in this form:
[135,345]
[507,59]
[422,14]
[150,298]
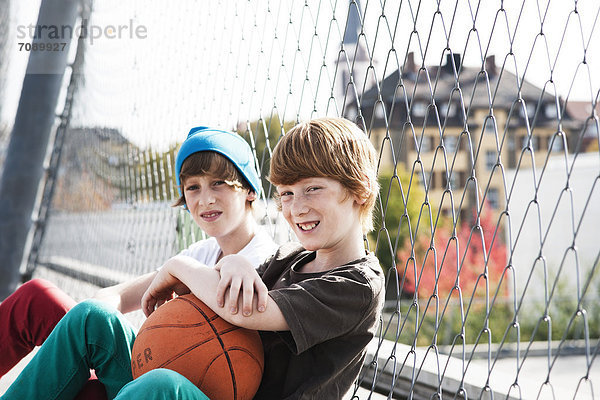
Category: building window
[555,143]
[490,159]
[456,180]
[447,110]
[529,109]
[493,198]
[535,142]
[511,143]
[433,183]
[490,126]
[379,111]
[419,109]
[425,144]
[450,142]
[523,141]
[551,111]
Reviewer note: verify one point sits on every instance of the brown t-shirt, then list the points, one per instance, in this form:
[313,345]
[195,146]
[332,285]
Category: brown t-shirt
[332,317]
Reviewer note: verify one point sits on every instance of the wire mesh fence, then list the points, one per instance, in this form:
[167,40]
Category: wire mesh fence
[485,116]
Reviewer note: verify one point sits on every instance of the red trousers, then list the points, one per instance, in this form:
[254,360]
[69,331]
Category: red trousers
[27,317]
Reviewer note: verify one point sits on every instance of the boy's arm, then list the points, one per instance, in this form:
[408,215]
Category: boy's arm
[203,282]
[237,274]
[127,296]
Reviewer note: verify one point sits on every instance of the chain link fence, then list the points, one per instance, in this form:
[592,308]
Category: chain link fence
[485,116]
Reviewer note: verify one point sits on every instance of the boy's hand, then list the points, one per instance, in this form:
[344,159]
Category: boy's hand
[238,274]
[162,289]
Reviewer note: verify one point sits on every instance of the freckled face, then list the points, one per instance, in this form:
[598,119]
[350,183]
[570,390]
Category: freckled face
[322,214]
[218,208]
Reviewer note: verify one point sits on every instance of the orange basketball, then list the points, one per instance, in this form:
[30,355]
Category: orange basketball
[184,335]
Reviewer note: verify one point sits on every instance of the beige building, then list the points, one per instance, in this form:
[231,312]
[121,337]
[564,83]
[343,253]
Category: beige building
[457,128]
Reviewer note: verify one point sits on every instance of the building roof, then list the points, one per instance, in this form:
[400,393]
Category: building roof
[353,45]
[353,24]
[439,83]
[582,110]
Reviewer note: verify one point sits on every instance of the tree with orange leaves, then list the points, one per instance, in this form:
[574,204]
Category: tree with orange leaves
[467,259]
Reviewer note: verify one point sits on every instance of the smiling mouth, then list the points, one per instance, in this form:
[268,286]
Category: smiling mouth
[211,215]
[308,226]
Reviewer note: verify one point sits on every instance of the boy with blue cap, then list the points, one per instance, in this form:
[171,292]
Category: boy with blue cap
[218,184]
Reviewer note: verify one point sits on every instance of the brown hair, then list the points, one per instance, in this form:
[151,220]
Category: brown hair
[333,148]
[214,164]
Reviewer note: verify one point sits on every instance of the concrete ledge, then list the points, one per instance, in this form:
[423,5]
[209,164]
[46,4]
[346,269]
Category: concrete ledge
[534,349]
[96,274]
[420,373]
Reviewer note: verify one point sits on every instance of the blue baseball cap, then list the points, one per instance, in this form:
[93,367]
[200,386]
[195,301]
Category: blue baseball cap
[230,145]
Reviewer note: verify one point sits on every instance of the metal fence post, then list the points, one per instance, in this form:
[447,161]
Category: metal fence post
[36,116]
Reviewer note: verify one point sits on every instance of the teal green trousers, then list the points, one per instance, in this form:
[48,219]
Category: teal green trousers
[94,336]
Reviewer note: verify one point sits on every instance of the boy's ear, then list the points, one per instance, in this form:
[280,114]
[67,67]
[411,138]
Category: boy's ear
[362,199]
[251,195]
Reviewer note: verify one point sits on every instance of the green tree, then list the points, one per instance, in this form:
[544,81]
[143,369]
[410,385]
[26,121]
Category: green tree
[401,209]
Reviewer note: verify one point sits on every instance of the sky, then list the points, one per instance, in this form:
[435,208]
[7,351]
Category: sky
[221,63]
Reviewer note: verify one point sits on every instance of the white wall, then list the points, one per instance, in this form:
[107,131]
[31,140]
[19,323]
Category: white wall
[558,218]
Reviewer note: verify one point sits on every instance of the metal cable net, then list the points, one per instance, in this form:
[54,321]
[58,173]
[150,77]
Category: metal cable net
[485,118]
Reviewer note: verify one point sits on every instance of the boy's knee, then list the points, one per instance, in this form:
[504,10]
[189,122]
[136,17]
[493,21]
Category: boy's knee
[161,378]
[34,286]
[39,290]
[42,293]
[161,383]
[102,326]
[88,307]
[93,311]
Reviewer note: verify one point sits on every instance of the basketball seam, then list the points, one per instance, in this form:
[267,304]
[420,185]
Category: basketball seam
[184,352]
[162,326]
[217,334]
[249,353]
[208,368]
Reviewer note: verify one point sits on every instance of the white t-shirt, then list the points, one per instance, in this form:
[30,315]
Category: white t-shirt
[256,251]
